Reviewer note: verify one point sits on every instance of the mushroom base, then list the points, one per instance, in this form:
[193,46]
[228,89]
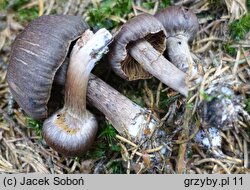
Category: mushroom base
[68,134]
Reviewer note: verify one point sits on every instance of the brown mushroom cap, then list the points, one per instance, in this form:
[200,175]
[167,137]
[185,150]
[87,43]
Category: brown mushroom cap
[178,20]
[142,26]
[32,66]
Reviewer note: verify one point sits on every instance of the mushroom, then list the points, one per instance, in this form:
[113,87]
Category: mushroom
[181,26]
[72,129]
[35,59]
[39,61]
[136,53]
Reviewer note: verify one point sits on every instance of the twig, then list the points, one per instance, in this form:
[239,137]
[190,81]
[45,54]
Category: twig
[212,160]
[126,141]
[41,7]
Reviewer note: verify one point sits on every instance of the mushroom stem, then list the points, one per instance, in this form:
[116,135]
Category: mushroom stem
[82,61]
[77,80]
[178,52]
[153,62]
[126,116]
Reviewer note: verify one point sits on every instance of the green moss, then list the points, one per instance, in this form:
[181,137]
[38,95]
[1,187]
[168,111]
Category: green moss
[148,4]
[136,95]
[24,14]
[116,167]
[165,101]
[3,5]
[35,125]
[229,49]
[164,3]
[101,15]
[17,4]
[215,3]
[108,133]
[97,151]
[105,143]
[27,15]
[248,105]
[239,28]
[248,5]
[206,97]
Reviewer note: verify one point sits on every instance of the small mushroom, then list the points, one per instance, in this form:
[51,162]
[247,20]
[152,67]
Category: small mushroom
[136,53]
[181,26]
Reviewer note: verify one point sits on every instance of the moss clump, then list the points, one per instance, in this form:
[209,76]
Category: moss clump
[16,4]
[206,97]
[105,144]
[35,125]
[24,14]
[3,5]
[116,167]
[164,3]
[150,4]
[107,13]
[229,49]
[248,4]
[239,28]
[27,15]
[165,101]
[248,105]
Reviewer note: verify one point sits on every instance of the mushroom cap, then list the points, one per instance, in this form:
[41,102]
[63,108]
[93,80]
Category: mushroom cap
[142,26]
[36,55]
[179,20]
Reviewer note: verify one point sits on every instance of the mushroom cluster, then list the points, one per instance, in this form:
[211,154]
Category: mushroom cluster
[51,63]
[39,62]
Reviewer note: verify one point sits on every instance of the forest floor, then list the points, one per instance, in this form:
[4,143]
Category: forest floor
[221,48]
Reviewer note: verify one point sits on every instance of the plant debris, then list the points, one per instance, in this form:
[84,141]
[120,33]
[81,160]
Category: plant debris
[191,130]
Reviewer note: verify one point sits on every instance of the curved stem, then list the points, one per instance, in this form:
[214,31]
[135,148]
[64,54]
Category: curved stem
[77,77]
[86,52]
[153,62]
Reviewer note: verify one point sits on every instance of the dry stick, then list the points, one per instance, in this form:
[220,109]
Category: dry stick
[181,163]
[153,62]
[246,163]
[41,7]
[181,160]
[125,140]
[213,160]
